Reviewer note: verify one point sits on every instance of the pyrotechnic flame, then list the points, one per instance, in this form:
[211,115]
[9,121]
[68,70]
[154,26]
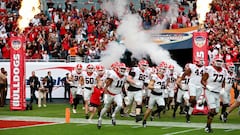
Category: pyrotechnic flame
[29,8]
[203,6]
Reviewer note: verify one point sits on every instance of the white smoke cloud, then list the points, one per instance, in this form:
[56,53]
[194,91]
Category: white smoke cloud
[116,7]
[138,42]
[112,54]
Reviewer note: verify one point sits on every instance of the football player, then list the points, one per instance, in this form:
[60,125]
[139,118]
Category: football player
[137,76]
[182,91]
[89,81]
[229,83]
[113,91]
[195,87]
[157,85]
[213,80]
[74,79]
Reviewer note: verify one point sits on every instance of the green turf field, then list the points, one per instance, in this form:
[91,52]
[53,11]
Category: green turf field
[82,127]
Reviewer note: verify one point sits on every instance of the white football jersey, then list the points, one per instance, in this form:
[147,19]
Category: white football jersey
[160,81]
[89,79]
[172,79]
[196,74]
[230,79]
[215,78]
[139,76]
[76,77]
[185,82]
[117,83]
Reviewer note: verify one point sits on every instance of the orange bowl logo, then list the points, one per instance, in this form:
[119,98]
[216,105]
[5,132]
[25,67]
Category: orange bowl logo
[16,44]
[200,41]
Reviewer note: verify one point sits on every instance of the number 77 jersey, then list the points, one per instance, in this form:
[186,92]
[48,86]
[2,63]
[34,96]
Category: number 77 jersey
[215,78]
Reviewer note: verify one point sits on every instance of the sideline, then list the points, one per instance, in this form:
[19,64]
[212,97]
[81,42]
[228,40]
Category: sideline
[124,122]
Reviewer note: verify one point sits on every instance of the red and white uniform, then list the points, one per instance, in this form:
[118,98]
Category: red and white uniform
[75,89]
[195,86]
[115,89]
[172,83]
[89,83]
[214,86]
[230,78]
[157,95]
[183,91]
[135,90]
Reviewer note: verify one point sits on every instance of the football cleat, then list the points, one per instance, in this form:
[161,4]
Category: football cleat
[188,118]
[99,125]
[174,115]
[138,118]
[208,130]
[144,123]
[113,121]
[74,110]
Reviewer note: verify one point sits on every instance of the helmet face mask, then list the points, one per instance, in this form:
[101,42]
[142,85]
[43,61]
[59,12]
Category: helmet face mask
[121,68]
[79,68]
[143,64]
[218,63]
[230,67]
[90,68]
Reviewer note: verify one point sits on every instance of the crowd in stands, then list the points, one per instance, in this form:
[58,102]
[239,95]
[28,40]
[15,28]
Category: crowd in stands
[65,30]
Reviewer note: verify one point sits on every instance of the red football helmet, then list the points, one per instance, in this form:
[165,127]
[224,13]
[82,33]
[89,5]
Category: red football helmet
[114,65]
[121,68]
[79,68]
[161,68]
[171,67]
[100,69]
[143,64]
[90,68]
[230,67]
[218,61]
[199,61]
[164,64]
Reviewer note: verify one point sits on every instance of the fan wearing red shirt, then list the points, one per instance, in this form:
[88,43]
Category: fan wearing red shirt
[95,100]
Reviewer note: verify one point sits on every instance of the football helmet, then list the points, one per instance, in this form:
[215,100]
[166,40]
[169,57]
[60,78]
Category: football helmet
[100,69]
[199,61]
[230,67]
[171,67]
[164,64]
[143,64]
[218,61]
[90,68]
[114,66]
[79,68]
[161,68]
[121,68]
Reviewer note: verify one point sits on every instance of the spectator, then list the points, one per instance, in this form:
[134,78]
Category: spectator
[3,88]
[50,84]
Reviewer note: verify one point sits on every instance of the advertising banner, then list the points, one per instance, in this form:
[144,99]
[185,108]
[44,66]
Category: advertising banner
[17,74]
[200,46]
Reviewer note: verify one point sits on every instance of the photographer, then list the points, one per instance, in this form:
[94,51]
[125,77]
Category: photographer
[42,92]
[34,84]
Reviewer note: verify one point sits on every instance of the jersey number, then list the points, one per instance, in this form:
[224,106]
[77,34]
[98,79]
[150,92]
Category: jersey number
[218,78]
[89,81]
[119,84]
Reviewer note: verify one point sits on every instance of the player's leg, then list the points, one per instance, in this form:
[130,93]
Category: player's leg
[138,98]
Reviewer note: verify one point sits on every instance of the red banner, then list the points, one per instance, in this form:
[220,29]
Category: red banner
[200,46]
[17,74]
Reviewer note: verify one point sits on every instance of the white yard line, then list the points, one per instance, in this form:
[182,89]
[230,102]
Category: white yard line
[183,131]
